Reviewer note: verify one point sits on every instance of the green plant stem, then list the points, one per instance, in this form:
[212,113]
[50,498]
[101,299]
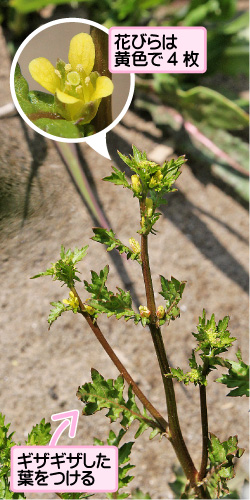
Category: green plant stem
[175,434]
[163,424]
[204,425]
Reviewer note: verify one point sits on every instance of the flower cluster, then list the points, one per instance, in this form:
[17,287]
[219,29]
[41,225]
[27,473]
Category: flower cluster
[78,91]
[72,301]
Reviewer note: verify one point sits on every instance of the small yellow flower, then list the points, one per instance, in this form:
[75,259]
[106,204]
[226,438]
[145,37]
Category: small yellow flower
[136,184]
[149,207]
[193,375]
[155,179]
[78,91]
[135,245]
[160,313]
[144,312]
[89,309]
[72,301]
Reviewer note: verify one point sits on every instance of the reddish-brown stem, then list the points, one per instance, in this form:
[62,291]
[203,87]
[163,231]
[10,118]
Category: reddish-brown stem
[204,425]
[176,437]
[103,117]
[121,368]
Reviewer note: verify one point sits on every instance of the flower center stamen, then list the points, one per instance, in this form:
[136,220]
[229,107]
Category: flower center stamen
[73,78]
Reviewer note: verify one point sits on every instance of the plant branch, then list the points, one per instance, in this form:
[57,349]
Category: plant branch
[204,424]
[163,424]
[176,437]
[103,117]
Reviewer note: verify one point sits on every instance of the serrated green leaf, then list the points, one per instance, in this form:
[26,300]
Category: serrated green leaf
[105,301]
[64,269]
[40,434]
[172,292]
[237,377]
[5,492]
[213,339]
[114,440]
[97,287]
[123,460]
[221,457]
[108,238]
[103,393]
[58,309]
[117,177]
[124,453]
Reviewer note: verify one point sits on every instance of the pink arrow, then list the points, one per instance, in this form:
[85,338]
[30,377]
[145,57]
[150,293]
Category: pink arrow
[70,418]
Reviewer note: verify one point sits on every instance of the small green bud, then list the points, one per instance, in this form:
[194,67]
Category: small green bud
[135,245]
[160,313]
[144,312]
[136,184]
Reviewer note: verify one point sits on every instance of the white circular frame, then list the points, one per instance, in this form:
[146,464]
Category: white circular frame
[24,116]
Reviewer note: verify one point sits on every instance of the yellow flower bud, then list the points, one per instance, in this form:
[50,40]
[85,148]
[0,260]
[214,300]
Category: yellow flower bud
[149,207]
[193,375]
[144,312]
[155,179]
[160,312]
[89,309]
[135,245]
[136,184]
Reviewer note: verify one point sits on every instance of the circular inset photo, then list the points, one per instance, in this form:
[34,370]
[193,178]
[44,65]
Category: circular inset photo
[61,84]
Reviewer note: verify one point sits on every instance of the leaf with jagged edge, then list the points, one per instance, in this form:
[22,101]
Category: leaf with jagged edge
[172,292]
[213,339]
[237,377]
[40,434]
[108,238]
[6,443]
[106,302]
[221,456]
[147,169]
[103,393]
[117,177]
[97,287]
[58,309]
[64,269]
[123,460]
